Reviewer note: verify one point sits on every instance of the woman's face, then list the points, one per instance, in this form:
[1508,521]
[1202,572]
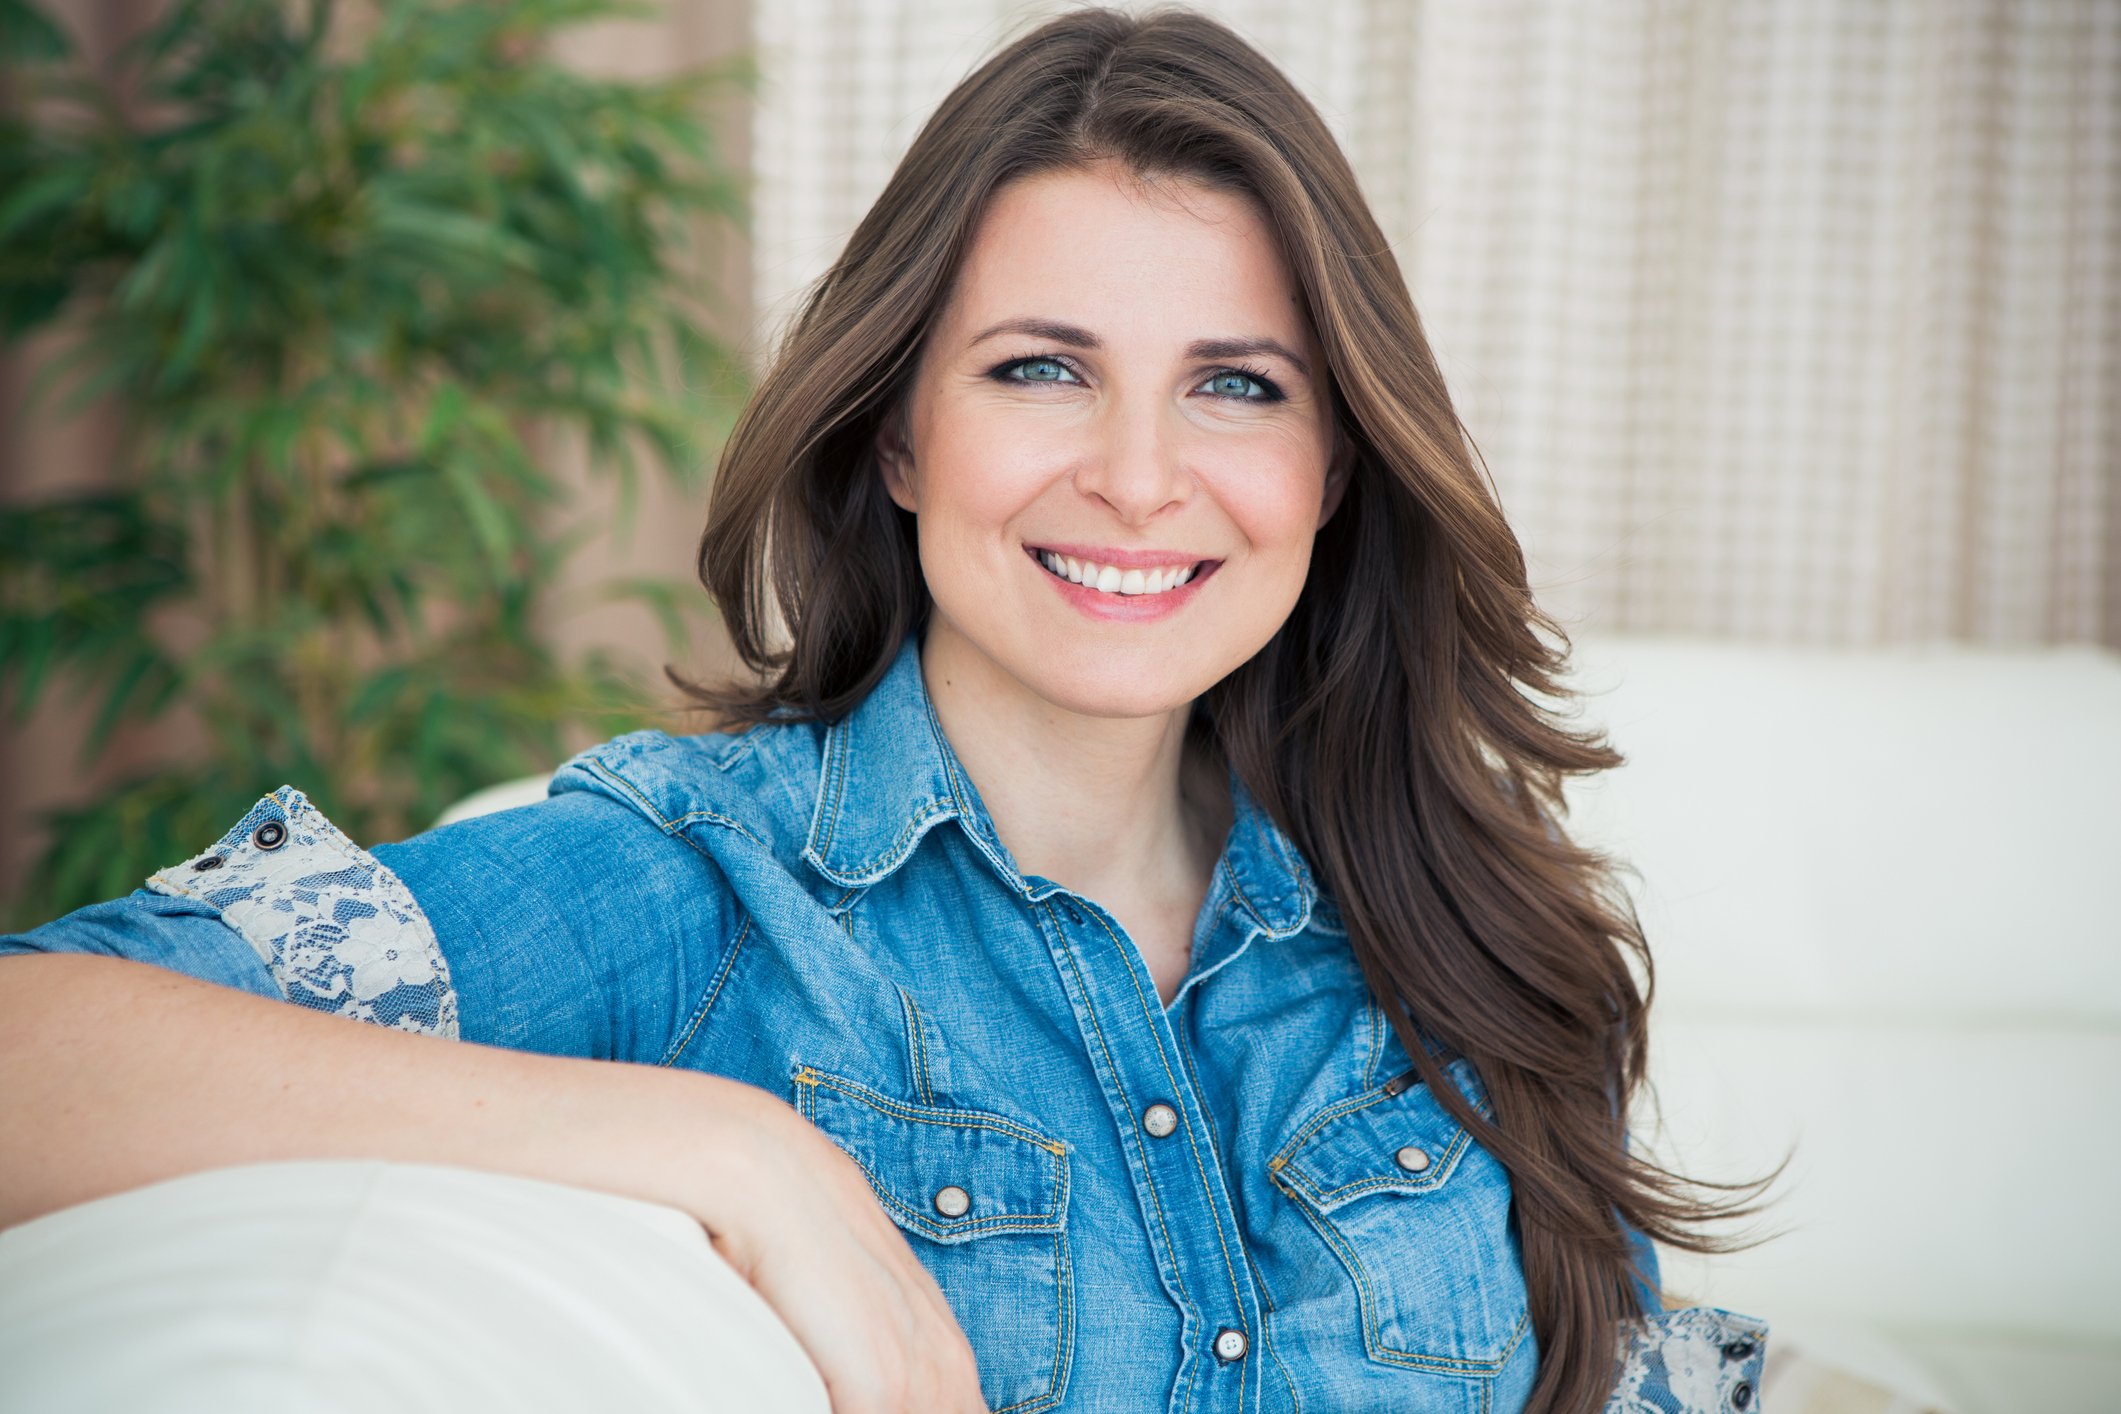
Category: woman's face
[1117,443]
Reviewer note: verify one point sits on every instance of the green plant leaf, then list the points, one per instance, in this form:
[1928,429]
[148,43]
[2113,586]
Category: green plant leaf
[349,282]
[27,36]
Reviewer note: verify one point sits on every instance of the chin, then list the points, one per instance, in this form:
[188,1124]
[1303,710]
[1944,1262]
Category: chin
[1098,683]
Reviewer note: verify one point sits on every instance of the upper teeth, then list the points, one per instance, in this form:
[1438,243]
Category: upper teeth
[1113,580]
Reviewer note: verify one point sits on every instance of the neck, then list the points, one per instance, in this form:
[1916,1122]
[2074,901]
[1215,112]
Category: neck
[1110,807]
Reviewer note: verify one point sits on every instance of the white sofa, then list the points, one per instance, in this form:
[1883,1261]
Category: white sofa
[1883,889]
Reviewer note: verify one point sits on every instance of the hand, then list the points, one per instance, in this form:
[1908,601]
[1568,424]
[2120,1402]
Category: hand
[797,1219]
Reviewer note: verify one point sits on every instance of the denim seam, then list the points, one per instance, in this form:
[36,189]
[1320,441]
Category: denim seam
[1191,1309]
[1306,895]
[1384,1182]
[670,825]
[1245,901]
[831,803]
[1268,1311]
[1367,1301]
[935,1115]
[831,788]
[714,990]
[953,1119]
[893,853]
[1327,1116]
[969,1230]
[1185,1056]
[916,1044]
[745,743]
[1375,1016]
[1064,1336]
[807,1080]
[1222,1242]
[1340,1109]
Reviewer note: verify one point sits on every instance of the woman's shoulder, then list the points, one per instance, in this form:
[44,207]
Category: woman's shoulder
[760,781]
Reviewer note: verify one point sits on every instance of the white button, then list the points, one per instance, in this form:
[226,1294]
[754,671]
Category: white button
[1230,1344]
[952,1202]
[1159,1119]
[1411,1159]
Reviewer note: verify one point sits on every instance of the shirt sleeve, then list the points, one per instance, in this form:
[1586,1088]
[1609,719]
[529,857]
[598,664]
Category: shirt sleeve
[573,926]
[1649,1278]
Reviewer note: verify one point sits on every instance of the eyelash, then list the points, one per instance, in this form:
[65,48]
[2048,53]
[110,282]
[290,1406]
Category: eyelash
[1271,390]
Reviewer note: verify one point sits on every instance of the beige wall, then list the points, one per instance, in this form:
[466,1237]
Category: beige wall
[40,454]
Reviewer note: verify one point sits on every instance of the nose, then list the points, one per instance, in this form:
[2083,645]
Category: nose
[1136,465]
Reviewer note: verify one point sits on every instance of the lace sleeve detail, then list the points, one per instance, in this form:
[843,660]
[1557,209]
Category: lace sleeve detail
[1694,1361]
[337,930]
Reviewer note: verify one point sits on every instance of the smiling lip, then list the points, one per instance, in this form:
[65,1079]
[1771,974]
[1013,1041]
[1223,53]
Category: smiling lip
[1119,559]
[1124,608]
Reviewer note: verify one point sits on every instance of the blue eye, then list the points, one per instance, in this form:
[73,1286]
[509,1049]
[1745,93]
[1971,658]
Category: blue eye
[1038,370]
[1238,384]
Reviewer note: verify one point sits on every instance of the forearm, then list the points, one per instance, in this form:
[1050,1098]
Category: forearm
[116,1074]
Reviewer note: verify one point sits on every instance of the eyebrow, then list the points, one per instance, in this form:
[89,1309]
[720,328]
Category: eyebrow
[1246,348]
[1075,336]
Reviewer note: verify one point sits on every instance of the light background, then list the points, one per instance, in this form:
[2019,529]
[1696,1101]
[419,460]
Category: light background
[1796,320]
[1792,320]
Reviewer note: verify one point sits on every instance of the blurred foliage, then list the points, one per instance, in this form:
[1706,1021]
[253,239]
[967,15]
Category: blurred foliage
[343,283]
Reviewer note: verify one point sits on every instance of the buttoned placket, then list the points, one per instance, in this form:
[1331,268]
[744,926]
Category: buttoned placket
[1178,1178]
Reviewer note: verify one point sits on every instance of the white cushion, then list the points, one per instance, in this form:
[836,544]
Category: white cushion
[1883,889]
[524,790]
[1922,833]
[345,1286]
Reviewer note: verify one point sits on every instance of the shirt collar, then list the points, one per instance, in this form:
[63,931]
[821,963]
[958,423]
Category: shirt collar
[889,776]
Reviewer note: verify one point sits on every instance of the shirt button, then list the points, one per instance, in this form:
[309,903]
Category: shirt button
[1412,1159]
[952,1202]
[1230,1344]
[1159,1119]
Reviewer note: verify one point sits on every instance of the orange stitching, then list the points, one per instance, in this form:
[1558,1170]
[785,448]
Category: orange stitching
[1155,1197]
[1237,1290]
[955,1119]
[1367,1302]
[916,1042]
[707,1006]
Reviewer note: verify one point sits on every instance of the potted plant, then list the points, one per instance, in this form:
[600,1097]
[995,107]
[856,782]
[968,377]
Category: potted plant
[345,282]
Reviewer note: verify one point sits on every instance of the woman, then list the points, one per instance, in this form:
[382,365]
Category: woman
[1131,926]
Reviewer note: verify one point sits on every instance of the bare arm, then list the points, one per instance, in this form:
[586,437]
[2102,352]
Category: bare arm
[119,1074]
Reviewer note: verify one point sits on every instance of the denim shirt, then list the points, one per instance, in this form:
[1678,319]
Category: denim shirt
[1240,1201]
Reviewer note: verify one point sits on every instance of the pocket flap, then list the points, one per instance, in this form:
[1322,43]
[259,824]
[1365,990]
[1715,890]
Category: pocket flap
[1006,1176]
[1393,1138]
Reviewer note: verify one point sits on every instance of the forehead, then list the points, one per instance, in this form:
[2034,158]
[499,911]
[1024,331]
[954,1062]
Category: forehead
[1167,258]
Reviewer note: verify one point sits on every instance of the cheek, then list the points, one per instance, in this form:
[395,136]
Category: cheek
[982,470]
[1272,494]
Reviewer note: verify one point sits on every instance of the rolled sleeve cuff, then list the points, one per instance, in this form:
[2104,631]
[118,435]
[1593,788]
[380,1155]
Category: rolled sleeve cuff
[336,929]
[1698,1360]
[179,934]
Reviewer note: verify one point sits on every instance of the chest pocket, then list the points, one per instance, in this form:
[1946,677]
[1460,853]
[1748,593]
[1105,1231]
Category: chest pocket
[1419,1216]
[983,1200]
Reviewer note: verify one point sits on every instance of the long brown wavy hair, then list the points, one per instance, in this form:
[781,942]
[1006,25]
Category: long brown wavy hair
[1387,726]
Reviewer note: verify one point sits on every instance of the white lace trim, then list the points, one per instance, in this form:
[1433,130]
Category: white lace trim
[337,930]
[1695,1361]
